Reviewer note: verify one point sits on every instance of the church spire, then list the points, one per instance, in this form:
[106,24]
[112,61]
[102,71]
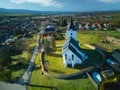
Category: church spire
[71,30]
[72,26]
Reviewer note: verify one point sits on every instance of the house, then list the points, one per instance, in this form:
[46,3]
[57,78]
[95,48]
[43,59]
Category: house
[48,30]
[71,52]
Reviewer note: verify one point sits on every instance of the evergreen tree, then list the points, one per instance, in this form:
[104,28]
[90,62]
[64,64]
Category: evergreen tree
[4,57]
[64,23]
[53,43]
[46,45]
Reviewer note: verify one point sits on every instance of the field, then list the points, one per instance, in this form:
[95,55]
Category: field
[42,82]
[54,61]
[91,37]
[94,37]
[54,64]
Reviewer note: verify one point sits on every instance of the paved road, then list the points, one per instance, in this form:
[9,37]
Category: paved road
[25,78]
[9,86]
[21,83]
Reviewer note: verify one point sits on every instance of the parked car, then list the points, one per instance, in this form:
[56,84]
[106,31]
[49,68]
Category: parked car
[107,73]
[96,76]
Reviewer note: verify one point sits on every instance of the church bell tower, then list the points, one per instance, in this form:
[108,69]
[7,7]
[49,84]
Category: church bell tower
[71,30]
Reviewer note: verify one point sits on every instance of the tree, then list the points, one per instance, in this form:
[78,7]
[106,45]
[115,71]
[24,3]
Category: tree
[46,45]
[5,74]
[4,57]
[64,22]
[18,31]
[53,43]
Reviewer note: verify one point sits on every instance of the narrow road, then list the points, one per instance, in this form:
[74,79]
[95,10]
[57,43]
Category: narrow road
[25,78]
[21,83]
[10,86]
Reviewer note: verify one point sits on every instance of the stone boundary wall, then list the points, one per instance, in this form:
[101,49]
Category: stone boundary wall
[63,76]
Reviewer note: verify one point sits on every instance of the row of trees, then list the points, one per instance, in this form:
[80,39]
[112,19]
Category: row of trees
[5,61]
[62,22]
[4,57]
[49,44]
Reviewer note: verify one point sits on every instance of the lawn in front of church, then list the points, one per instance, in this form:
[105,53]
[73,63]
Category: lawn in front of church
[39,81]
[54,61]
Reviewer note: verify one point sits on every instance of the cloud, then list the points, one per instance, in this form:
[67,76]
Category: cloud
[53,3]
[108,1]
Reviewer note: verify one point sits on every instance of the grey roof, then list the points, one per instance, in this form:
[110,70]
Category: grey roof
[71,40]
[116,56]
[68,46]
[49,29]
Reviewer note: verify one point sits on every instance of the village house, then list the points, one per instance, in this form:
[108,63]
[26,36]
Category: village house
[71,52]
[48,31]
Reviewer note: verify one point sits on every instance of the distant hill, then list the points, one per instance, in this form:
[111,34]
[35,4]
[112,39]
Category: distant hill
[23,11]
[17,11]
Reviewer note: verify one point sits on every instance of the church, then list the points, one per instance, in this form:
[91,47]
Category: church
[71,52]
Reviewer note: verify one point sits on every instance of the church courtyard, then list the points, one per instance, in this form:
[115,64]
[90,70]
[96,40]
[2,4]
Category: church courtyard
[38,81]
[54,61]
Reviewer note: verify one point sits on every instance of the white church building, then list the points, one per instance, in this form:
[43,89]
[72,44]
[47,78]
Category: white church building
[71,52]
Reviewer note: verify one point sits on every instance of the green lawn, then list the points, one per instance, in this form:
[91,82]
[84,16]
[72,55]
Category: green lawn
[94,37]
[91,37]
[40,82]
[54,61]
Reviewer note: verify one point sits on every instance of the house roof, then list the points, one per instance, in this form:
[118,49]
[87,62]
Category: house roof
[72,45]
[47,30]
[116,56]
[50,28]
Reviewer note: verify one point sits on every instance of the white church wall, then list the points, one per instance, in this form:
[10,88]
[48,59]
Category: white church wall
[69,60]
[71,33]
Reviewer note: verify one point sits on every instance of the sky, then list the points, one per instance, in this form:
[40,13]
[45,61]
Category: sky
[62,5]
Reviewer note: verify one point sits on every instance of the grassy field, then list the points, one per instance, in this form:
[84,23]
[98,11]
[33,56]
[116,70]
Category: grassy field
[54,61]
[94,37]
[42,82]
[91,37]
[55,65]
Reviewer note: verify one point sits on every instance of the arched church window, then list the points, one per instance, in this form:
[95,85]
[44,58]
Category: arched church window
[72,57]
[65,56]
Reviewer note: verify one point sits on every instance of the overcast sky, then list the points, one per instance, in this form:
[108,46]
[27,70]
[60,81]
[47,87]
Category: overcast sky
[62,5]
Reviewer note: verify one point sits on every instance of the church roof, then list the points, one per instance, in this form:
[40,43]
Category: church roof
[72,45]
[70,40]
